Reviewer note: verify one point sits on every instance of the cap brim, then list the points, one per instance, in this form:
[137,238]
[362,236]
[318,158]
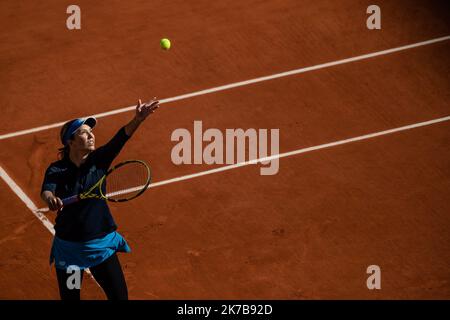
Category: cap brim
[91,122]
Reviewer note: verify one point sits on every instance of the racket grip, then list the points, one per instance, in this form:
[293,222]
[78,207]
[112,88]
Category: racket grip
[70,200]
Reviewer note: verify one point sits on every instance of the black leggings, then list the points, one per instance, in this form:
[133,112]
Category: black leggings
[108,274]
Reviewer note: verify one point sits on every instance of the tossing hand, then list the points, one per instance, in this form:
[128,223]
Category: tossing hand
[144,109]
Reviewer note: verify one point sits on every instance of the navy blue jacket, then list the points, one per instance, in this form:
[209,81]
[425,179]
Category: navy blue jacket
[89,218]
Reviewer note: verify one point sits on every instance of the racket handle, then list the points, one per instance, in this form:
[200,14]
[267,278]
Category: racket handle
[70,200]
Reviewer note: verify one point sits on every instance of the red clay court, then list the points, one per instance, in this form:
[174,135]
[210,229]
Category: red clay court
[372,106]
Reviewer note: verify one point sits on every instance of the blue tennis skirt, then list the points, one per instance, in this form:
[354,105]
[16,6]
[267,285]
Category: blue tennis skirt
[86,254]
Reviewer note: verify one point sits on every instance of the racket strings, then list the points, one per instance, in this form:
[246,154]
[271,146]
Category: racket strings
[126,181]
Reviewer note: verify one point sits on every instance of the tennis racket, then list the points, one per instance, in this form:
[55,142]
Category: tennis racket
[123,182]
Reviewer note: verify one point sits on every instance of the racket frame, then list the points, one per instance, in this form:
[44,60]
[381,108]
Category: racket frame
[145,186]
[98,185]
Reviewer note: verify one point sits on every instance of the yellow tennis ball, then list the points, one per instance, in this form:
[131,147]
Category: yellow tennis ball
[165,44]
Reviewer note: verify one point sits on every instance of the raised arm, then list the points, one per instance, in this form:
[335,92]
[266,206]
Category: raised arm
[143,110]
[106,153]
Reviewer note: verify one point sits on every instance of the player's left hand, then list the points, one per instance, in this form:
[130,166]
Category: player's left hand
[143,110]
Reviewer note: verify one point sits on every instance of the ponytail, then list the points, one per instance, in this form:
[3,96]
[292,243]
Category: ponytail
[63,153]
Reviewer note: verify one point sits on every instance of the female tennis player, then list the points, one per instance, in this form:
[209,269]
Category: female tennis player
[85,231]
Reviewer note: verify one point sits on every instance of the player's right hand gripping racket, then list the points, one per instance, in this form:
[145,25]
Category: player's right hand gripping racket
[123,182]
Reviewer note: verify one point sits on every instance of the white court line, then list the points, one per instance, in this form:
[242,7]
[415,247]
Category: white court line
[242,83]
[30,205]
[129,190]
[300,151]
[291,153]
[25,199]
